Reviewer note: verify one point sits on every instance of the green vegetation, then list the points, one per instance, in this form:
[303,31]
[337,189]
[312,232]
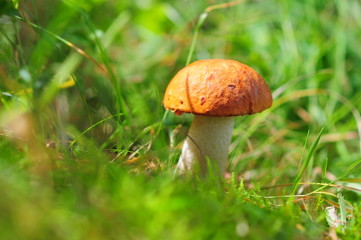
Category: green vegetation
[88,152]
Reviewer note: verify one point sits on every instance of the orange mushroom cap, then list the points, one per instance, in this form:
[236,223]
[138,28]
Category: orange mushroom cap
[217,87]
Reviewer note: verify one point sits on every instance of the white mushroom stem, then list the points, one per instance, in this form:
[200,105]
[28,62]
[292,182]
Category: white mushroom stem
[208,138]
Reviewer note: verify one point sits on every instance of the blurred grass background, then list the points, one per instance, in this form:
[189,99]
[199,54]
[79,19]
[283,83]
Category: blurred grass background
[87,151]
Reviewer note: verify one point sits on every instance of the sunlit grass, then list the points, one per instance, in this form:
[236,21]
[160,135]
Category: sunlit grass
[88,151]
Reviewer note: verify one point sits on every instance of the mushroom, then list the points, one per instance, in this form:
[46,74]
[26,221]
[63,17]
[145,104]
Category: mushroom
[214,90]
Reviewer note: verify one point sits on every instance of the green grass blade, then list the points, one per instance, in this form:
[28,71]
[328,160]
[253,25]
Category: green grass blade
[343,212]
[324,169]
[350,170]
[96,124]
[200,22]
[306,162]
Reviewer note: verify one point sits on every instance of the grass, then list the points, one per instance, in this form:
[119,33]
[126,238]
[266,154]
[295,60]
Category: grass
[88,151]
